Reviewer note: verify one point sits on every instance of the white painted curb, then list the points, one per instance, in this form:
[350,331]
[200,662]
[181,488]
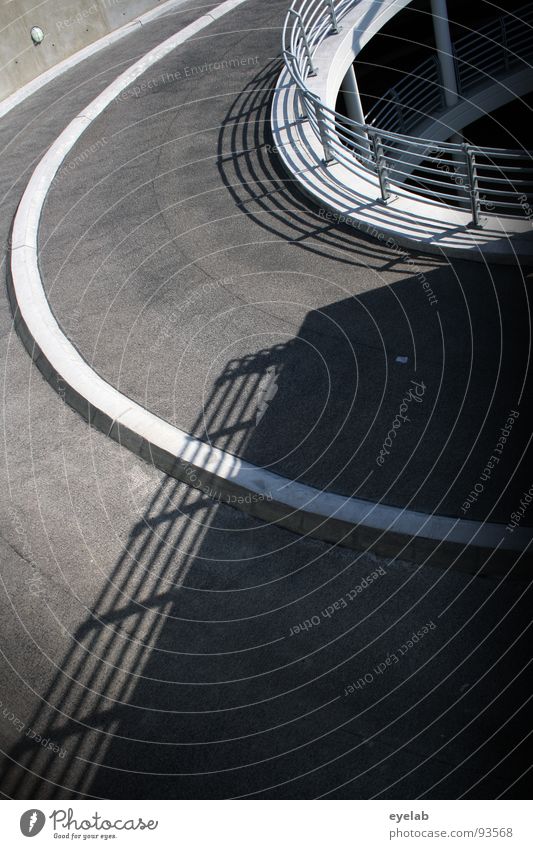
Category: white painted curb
[268,496]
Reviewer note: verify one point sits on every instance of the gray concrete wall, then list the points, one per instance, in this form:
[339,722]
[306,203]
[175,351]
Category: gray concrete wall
[68,25]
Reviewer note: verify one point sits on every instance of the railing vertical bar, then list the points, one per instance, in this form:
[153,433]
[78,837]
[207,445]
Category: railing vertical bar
[312,69]
[333,14]
[381,165]
[399,108]
[322,126]
[302,116]
[473,187]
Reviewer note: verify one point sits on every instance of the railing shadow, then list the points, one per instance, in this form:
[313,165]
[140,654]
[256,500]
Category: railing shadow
[259,185]
[161,692]
[130,702]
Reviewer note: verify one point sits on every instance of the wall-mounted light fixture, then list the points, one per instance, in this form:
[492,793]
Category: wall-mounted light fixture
[37,35]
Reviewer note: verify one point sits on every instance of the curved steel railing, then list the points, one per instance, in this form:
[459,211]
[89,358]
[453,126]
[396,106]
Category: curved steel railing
[479,179]
[499,48]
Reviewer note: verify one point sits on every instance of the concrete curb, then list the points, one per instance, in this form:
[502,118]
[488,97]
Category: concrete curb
[303,509]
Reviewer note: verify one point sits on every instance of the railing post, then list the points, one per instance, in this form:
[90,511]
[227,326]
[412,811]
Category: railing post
[312,69]
[333,14]
[473,187]
[399,108]
[300,99]
[323,130]
[503,36]
[381,165]
[458,76]
[440,87]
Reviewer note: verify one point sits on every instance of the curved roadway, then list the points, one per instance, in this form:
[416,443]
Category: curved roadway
[185,268]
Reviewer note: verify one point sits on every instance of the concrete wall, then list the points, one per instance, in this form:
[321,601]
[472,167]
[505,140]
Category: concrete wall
[68,25]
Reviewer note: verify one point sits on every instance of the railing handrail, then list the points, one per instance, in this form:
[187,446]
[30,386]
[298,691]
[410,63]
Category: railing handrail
[306,25]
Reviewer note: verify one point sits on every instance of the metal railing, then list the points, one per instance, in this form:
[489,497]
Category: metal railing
[479,179]
[501,47]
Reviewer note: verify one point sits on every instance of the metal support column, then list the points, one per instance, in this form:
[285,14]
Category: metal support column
[354,107]
[443,40]
[352,98]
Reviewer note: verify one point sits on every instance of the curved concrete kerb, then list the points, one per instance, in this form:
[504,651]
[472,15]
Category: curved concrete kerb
[268,496]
